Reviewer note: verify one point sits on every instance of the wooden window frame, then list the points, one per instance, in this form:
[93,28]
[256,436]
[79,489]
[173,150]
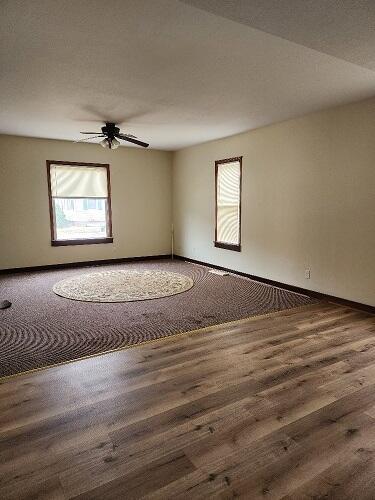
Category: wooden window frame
[82,241]
[220,244]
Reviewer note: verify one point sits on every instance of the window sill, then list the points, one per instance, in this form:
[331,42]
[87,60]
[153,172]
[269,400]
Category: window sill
[227,246]
[91,241]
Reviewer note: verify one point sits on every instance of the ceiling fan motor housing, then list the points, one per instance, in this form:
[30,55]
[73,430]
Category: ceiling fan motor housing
[110,130]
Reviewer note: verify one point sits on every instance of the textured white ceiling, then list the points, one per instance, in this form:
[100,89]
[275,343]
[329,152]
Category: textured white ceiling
[341,28]
[174,75]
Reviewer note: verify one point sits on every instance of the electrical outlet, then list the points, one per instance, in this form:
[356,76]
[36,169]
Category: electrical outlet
[307,274]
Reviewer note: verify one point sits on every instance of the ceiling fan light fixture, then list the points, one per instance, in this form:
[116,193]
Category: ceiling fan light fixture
[110,143]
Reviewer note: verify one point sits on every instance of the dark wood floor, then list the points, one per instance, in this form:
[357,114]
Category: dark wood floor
[275,407]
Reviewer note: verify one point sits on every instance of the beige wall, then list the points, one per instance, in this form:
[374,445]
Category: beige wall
[308,201]
[141,202]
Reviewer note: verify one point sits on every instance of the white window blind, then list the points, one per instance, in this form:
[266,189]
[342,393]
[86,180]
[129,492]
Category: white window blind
[228,187]
[69,181]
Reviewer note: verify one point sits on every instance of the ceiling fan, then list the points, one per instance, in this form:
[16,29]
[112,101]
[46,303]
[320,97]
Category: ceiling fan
[111,134]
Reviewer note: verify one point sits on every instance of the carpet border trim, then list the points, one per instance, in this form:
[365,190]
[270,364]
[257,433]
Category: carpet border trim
[151,341]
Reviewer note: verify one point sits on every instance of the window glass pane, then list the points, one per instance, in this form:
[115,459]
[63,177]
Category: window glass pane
[228,203]
[80,218]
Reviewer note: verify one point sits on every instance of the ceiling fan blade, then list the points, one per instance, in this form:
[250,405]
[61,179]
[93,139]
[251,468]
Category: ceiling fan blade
[134,141]
[88,132]
[85,139]
[130,135]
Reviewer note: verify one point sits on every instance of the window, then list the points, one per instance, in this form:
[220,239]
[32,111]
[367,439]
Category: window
[228,176]
[80,203]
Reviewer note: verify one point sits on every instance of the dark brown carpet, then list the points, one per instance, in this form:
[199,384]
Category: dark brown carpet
[42,328]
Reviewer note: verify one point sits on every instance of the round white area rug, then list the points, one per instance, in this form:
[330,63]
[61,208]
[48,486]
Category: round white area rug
[123,286]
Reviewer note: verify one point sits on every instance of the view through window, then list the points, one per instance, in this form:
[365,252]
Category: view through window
[79,203]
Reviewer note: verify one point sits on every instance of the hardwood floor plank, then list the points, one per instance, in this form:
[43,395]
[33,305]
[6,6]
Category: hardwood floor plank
[352,478]
[307,453]
[49,489]
[150,477]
